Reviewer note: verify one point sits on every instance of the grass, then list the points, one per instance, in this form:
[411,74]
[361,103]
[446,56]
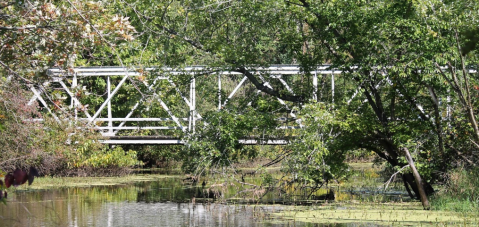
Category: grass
[460,193]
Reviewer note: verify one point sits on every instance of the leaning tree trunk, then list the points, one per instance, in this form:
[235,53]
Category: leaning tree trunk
[410,184]
[420,187]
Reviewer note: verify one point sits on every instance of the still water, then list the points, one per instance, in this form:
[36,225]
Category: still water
[165,202]
[169,200]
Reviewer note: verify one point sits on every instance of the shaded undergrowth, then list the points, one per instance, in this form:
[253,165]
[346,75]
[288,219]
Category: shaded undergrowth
[460,191]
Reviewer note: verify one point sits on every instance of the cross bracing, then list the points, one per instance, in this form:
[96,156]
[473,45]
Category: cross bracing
[121,128]
[102,117]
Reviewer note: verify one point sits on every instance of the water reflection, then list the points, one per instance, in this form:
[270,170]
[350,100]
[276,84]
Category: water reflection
[158,203]
[170,201]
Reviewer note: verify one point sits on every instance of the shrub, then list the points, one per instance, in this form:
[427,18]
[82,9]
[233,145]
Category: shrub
[461,191]
[54,148]
[18,134]
[108,158]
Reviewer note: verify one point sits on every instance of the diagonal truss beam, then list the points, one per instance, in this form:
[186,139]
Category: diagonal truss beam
[280,100]
[275,72]
[234,91]
[97,113]
[150,88]
[72,96]
[39,97]
[175,119]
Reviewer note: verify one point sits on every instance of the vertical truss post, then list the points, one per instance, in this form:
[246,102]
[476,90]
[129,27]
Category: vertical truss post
[77,102]
[332,87]
[110,122]
[219,91]
[315,86]
[448,108]
[193,103]
[98,112]
[190,118]
[73,103]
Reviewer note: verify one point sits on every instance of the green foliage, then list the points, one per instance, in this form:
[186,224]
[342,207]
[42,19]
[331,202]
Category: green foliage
[158,156]
[217,143]
[107,158]
[393,93]
[53,147]
[75,149]
[42,34]
[460,193]
[267,179]
[312,157]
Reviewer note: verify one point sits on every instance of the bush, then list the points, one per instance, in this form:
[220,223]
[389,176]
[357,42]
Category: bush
[19,135]
[158,156]
[461,191]
[54,148]
[108,158]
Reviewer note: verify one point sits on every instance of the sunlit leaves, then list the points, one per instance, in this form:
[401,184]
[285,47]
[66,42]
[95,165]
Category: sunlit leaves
[43,34]
[216,143]
[313,158]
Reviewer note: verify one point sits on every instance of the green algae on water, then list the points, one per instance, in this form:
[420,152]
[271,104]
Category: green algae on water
[380,214]
[61,182]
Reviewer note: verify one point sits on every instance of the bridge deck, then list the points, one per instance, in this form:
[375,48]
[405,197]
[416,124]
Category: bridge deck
[165,140]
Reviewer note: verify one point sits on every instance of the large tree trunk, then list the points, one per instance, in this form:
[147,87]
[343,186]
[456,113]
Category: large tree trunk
[417,178]
[410,184]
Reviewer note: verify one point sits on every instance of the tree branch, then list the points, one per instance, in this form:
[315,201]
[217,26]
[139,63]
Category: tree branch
[15,73]
[26,27]
[266,89]
[239,68]
[437,117]
[471,115]
[460,154]
[194,43]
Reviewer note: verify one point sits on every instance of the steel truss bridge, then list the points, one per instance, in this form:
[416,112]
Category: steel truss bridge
[68,85]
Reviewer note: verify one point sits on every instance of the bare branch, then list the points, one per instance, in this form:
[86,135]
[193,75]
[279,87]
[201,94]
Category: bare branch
[456,84]
[393,176]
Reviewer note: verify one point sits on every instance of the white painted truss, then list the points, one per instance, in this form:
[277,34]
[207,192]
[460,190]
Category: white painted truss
[110,126]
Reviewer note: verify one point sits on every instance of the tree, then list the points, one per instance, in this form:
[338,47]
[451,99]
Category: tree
[35,36]
[390,51]
[396,97]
